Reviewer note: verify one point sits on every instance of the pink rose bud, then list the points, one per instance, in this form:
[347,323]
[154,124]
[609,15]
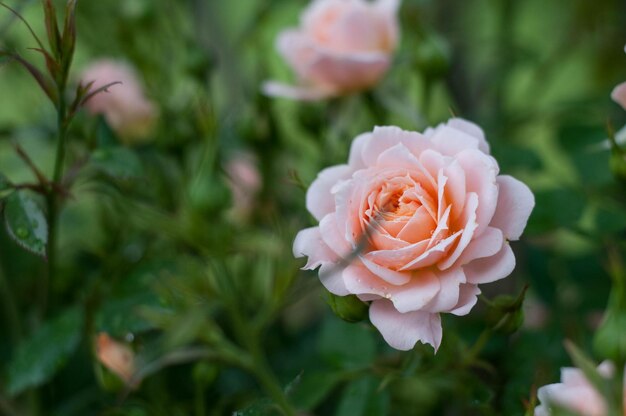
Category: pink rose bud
[115,356]
[124,106]
[244,181]
[422,220]
[341,46]
[574,394]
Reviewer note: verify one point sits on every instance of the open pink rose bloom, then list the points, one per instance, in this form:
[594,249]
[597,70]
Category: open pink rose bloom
[414,223]
[575,394]
[341,46]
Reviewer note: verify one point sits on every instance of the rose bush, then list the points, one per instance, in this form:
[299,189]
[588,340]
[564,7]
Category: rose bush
[124,105]
[340,47]
[426,218]
[575,394]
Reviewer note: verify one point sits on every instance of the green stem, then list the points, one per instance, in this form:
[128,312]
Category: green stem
[12,312]
[478,346]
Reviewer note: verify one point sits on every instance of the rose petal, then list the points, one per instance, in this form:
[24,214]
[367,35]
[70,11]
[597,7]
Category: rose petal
[471,129]
[448,296]
[481,171]
[455,190]
[468,296]
[492,268]
[433,254]
[619,94]
[390,276]
[309,243]
[486,245]
[319,199]
[515,203]
[356,151]
[333,236]
[403,330]
[471,225]
[387,137]
[451,141]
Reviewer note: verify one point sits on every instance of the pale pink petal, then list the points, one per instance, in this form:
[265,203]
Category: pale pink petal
[455,188]
[492,268]
[397,256]
[403,330]
[297,49]
[309,243]
[333,236]
[485,245]
[471,129]
[387,137]
[331,276]
[388,275]
[468,296]
[515,203]
[356,151]
[448,296]
[471,225]
[418,227]
[451,141]
[417,293]
[433,254]
[319,199]
[347,72]
[300,93]
[481,171]
[619,94]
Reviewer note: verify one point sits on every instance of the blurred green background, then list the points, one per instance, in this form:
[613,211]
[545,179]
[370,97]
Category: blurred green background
[152,253]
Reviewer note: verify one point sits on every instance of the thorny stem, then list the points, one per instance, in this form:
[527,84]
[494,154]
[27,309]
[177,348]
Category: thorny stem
[53,199]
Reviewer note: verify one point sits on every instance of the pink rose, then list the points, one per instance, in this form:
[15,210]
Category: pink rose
[124,105]
[427,219]
[341,46]
[575,394]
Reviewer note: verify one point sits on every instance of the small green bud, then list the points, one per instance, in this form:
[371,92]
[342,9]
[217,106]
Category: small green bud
[349,308]
[205,373]
[505,314]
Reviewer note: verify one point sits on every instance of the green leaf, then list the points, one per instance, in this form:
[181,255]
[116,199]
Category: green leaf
[117,162]
[360,398]
[38,358]
[26,223]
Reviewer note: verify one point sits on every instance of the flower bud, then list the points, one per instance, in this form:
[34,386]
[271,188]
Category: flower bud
[349,308]
[505,314]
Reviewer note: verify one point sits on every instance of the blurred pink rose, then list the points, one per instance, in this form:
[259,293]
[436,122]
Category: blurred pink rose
[575,394]
[124,105]
[115,356]
[341,46]
[244,181]
[427,218]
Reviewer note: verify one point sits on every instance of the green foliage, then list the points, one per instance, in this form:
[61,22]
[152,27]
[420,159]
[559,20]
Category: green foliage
[39,358]
[26,223]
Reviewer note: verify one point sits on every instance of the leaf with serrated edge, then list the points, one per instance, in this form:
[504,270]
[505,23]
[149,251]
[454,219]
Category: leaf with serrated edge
[26,223]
